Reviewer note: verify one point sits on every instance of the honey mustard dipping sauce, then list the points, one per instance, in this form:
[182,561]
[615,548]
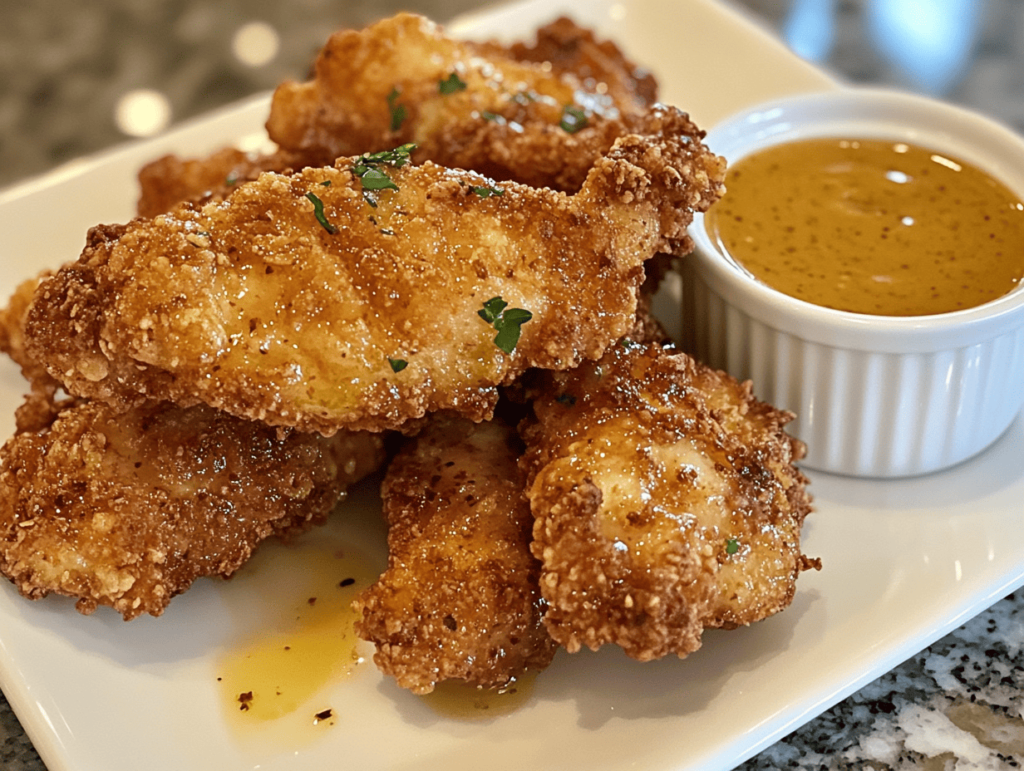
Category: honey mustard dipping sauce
[871,226]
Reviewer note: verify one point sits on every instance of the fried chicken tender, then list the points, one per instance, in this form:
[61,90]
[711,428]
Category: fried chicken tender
[459,599]
[128,510]
[253,306]
[12,333]
[599,65]
[666,501]
[466,105]
[523,142]
[170,180]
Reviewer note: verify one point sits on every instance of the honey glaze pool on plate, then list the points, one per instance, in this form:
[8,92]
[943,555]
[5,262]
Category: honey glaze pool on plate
[277,682]
[871,226]
[273,682]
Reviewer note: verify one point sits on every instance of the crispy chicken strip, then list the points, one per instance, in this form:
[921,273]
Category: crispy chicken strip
[465,105]
[12,333]
[371,316]
[523,142]
[459,599]
[128,510]
[666,501]
[599,65]
[169,180]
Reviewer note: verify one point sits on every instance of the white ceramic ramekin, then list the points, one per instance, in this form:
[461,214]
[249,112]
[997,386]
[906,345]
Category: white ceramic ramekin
[875,396]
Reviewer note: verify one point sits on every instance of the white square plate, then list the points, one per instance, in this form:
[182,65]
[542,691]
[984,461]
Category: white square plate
[905,561]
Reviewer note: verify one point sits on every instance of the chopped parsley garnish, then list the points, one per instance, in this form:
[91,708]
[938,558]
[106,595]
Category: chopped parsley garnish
[507,321]
[368,169]
[397,110]
[375,179]
[488,115]
[397,365]
[524,97]
[397,157]
[573,118]
[567,399]
[629,344]
[451,85]
[318,210]
[486,191]
[732,546]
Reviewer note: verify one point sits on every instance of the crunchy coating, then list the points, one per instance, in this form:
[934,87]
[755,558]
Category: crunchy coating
[564,57]
[506,120]
[127,510]
[666,501]
[459,599]
[250,305]
[12,333]
[169,180]
[599,65]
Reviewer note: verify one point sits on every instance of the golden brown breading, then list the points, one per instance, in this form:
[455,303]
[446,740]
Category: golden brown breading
[12,333]
[666,501]
[169,180]
[599,65]
[503,118]
[127,510]
[565,57]
[252,306]
[459,599]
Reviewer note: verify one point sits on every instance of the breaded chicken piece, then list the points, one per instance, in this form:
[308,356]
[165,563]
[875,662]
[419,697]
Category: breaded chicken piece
[169,180]
[599,65]
[459,599]
[463,104]
[311,301]
[127,510]
[12,333]
[565,58]
[666,501]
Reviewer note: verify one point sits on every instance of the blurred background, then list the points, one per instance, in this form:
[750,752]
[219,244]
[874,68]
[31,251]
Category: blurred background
[77,76]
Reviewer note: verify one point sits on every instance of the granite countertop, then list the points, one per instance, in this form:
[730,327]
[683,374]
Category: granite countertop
[66,66]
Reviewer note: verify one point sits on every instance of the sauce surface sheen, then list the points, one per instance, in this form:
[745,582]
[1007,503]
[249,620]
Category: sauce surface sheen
[871,226]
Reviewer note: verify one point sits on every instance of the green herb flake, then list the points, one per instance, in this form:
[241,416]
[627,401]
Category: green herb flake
[508,322]
[397,157]
[451,85]
[629,344]
[398,112]
[368,169]
[486,191]
[492,309]
[326,183]
[732,546]
[573,118]
[397,365]
[491,116]
[318,210]
[567,399]
[375,179]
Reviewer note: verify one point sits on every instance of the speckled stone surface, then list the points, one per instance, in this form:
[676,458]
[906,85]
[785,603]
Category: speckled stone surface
[955,706]
[64,64]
